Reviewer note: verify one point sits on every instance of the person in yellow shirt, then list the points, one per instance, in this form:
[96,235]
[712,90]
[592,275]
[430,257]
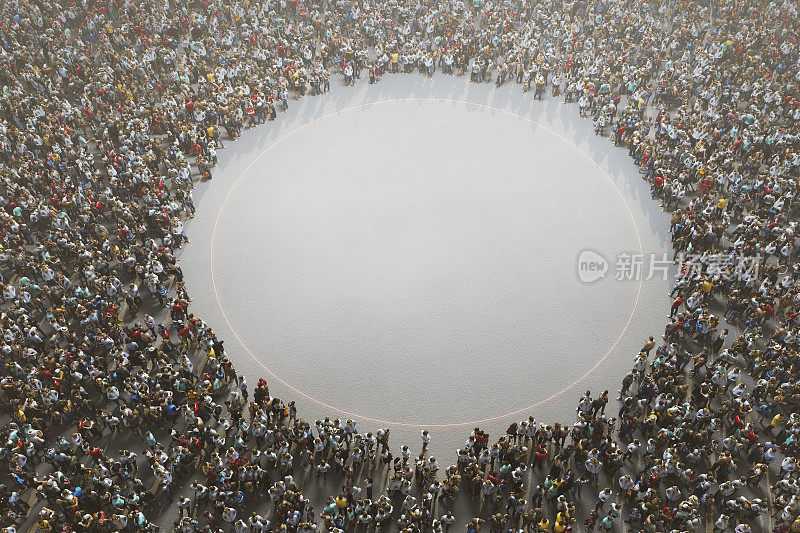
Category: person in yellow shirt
[341,503]
[776,421]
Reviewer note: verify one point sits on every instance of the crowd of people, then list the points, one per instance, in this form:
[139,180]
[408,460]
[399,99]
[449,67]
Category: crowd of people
[118,401]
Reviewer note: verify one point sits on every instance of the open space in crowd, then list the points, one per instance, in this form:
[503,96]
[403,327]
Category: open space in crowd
[122,410]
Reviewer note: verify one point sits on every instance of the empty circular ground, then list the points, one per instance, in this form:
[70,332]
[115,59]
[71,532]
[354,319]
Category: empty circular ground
[414,262]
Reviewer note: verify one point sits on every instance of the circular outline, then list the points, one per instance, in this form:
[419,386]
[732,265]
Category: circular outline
[408,424]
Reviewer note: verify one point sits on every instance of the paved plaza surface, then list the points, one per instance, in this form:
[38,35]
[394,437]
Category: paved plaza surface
[406,255]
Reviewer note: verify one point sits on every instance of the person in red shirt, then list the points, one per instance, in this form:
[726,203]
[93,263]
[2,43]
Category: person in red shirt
[95,453]
[675,306]
[539,456]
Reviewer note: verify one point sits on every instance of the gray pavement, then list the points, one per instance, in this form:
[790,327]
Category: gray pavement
[413,263]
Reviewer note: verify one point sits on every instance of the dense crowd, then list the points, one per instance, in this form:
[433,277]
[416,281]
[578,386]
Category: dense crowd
[111,111]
